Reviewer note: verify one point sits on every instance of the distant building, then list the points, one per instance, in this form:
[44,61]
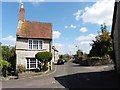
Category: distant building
[31,38]
[115,34]
[56,54]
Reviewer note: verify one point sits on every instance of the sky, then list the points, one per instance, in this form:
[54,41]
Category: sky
[74,24]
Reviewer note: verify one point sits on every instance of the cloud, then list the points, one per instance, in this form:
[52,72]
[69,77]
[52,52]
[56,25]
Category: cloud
[83,29]
[98,13]
[9,38]
[56,34]
[34,2]
[66,27]
[71,26]
[77,14]
[85,43]
[86,38]
[59,47]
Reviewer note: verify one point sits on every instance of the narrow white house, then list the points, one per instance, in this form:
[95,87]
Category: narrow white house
[31,37]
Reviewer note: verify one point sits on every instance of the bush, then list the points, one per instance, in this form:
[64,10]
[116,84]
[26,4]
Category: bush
[44,56]
[45,67]
[96,61]
[4,65]
[21,68]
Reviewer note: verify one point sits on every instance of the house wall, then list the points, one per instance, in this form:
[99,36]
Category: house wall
[116,39]
[22,50]
[55,56]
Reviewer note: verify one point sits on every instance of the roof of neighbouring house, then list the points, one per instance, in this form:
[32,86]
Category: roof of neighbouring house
[55,49]
[31,29]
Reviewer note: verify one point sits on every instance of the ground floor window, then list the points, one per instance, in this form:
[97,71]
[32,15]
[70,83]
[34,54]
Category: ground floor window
[32,63]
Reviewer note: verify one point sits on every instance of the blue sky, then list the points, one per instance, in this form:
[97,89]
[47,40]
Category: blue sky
[74,23]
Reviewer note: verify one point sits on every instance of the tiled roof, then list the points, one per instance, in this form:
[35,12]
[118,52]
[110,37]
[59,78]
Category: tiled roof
[35,30]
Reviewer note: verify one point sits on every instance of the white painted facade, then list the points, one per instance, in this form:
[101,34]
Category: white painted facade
[23,52]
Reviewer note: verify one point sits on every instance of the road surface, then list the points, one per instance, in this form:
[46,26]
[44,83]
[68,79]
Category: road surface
[70,75]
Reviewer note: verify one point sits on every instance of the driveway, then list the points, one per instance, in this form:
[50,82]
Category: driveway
[70,75]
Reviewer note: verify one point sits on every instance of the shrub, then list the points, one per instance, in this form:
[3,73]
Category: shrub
[45,67]
[44,56]
[21,68]
[4,65]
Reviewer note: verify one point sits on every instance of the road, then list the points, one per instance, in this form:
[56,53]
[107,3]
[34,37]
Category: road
[70,75]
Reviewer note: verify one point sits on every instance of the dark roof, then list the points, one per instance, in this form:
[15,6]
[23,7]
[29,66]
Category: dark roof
[35,30]
[55,49]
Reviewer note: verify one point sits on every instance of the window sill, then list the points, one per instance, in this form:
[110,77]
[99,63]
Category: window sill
[36,49]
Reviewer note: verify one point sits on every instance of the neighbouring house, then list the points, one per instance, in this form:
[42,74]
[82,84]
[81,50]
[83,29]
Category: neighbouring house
[115,34]
[31,38]
[55,54]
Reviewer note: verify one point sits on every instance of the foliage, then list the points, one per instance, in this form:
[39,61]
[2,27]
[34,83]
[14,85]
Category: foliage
[79,53]
[78,56]
[65,57]
[8,54]
[21,68]
[4,65]
[45,67]
[44,56]
[103,44]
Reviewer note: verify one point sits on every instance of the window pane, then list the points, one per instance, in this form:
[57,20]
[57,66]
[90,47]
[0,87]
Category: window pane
[33,62]
[30,44]
[35,44]
[32,65]
[40,44]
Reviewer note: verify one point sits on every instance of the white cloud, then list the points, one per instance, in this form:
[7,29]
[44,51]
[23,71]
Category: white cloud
[66,27]
[85,43]
[9,38]
[86,38]
[77,14]
[33,2]
[83,29]
[72,26]
[56,34]
[59,47]
[98,13]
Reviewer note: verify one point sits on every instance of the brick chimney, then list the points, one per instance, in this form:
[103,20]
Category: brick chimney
[22,11]
[21,17]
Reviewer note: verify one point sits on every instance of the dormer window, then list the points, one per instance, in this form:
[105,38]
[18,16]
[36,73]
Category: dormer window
[35,44]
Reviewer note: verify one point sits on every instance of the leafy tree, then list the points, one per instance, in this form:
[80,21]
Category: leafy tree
[79,53]
[4,65]
[103,44]
[44,57]
[8,54]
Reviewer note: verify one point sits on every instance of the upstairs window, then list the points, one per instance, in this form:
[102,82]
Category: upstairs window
[35,44]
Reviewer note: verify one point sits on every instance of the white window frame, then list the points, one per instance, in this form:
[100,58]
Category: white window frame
[28,63]
[38,44]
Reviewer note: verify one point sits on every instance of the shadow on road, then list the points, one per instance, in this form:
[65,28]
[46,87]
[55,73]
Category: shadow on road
[105,79]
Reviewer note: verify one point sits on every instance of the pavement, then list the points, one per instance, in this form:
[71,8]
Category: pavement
[69,76]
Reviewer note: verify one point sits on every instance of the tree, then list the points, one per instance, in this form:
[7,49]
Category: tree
[103,44]
[79,53]
[8,54]
[44,57]
[4,65]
